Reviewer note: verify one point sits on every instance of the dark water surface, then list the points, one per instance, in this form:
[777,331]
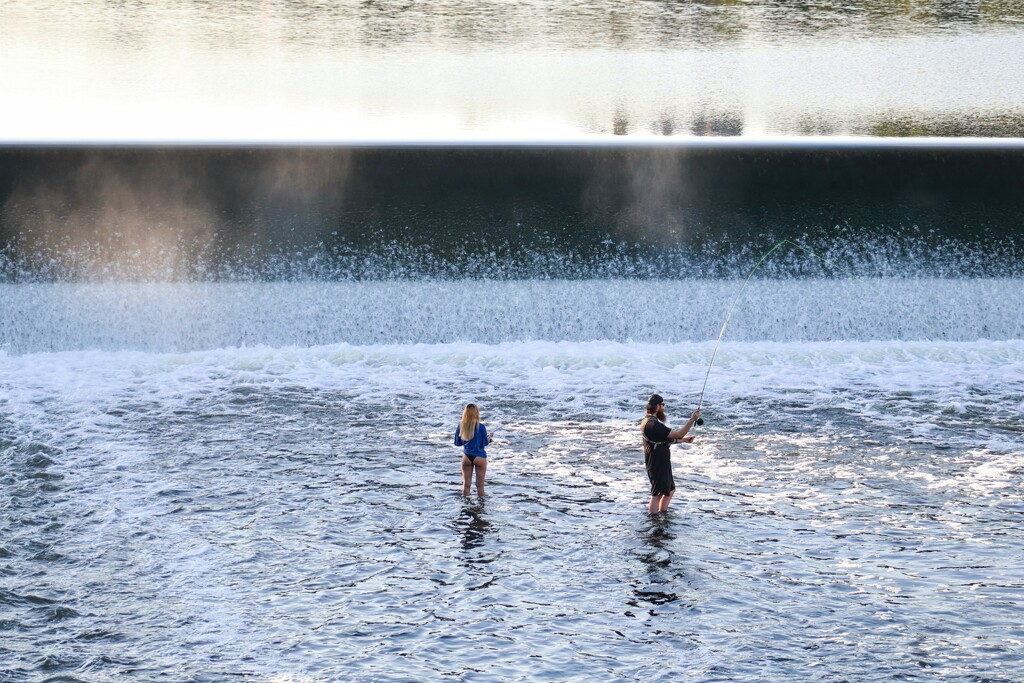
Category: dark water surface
[670,209]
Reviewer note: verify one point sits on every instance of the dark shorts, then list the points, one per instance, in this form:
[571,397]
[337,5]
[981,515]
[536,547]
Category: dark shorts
[659,471]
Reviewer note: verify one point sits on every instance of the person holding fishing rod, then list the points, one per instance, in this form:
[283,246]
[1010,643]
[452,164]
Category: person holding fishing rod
[657,435]
[657,458]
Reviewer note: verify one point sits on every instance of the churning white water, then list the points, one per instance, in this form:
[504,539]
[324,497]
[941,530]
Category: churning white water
[230,375]
[257,480]
[193,316]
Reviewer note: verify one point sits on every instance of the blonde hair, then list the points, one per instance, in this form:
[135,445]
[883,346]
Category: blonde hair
[470,420]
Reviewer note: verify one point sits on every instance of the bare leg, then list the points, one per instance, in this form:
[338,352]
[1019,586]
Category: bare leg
[481,470]
[665,500]
[467,474]
[655,504]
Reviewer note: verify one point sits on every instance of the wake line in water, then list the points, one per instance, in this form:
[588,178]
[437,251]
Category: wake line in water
[175,317]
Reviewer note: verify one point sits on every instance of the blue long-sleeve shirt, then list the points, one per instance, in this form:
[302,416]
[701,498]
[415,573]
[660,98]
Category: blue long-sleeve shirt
[474,447]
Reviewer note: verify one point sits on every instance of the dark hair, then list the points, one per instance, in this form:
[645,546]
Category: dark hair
[654,401]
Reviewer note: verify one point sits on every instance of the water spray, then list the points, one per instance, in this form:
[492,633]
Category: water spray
[700,420]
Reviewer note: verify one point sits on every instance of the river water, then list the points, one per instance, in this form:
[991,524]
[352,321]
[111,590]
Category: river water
[253,70]
[266,488]
[230,372]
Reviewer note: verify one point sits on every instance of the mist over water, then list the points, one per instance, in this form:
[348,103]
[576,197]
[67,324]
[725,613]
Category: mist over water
[677,211]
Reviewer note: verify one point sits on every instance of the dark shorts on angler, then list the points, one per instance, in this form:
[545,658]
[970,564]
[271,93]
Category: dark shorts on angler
[659,471]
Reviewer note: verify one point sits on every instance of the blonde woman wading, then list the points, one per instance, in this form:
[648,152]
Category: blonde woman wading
[471,434]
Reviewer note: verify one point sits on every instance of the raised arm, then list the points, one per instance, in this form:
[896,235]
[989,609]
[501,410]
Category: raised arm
[678,434]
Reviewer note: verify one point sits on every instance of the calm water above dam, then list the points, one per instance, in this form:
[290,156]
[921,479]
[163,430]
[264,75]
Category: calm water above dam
[249,70]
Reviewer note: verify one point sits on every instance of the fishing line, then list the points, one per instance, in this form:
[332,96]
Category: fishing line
[725,324]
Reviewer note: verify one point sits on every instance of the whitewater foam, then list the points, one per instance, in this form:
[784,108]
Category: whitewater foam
[166,317]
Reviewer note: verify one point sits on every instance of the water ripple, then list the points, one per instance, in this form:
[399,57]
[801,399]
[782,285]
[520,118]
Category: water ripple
[311,528]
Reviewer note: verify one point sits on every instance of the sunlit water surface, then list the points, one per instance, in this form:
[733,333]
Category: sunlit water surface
[247,70]
[201,509]
[204,480]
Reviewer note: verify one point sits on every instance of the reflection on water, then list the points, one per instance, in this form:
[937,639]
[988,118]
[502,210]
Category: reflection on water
[376,24]
[656,587]
[487,69]
[472,526]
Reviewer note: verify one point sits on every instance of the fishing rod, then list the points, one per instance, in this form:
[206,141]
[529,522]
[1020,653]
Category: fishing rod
[725,324]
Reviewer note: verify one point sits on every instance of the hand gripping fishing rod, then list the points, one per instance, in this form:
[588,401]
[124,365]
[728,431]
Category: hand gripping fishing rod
[725,324]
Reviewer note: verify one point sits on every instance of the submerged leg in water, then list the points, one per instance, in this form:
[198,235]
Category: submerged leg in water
[659,503]
[468,466]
